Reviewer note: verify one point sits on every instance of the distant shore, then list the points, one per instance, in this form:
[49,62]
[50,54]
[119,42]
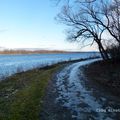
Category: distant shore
[12,51]
[30,51]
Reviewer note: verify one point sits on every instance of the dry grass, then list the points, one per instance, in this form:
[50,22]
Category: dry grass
[106,74]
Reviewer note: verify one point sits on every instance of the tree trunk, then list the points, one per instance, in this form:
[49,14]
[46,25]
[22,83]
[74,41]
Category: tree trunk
[102,55]
[103,52]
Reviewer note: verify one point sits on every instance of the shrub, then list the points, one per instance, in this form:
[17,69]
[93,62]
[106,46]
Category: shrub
[114,52]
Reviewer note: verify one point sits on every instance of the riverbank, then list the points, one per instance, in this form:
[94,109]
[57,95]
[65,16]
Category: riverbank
[105,75]
[21,95]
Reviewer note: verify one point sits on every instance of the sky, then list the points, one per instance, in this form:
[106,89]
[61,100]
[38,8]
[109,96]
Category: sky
[31,24]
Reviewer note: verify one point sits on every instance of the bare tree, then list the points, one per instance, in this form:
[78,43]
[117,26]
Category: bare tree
[113,15]
[90,19]
[84,23]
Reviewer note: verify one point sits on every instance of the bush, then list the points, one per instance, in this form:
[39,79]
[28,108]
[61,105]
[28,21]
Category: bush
[114,52]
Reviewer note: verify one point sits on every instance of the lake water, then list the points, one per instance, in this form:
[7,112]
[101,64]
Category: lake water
[10,64]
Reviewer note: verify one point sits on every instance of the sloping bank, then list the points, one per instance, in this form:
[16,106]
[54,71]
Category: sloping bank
[21,94]
[105,75]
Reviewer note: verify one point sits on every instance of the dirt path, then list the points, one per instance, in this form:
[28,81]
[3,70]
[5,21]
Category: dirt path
[70,96]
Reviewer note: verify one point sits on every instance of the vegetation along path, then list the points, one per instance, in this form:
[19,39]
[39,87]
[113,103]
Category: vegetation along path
[21,94]
[70,96]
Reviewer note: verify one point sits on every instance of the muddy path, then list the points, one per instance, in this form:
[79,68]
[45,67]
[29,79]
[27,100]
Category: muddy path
[70,96]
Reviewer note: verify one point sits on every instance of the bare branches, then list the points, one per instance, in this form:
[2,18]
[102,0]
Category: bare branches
[89,19]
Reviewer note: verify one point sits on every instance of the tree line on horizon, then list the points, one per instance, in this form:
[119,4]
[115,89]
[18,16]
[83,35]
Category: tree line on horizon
[12,51]
[89,21]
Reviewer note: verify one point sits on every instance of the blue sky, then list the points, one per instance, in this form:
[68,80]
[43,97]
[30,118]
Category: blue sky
[31,24]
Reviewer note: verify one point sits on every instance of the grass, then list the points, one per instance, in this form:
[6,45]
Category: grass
[21,95]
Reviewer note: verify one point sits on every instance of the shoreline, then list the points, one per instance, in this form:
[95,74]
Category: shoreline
[41,52]
[21,95]
[21,70]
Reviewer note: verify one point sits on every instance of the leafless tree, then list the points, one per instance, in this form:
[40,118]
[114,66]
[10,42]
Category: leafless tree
[90,19]
[83,19]
[113,15]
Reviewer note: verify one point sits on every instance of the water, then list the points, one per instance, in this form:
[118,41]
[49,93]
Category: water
[11,64]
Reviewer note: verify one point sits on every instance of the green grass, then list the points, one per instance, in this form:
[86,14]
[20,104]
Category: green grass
[21,95]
